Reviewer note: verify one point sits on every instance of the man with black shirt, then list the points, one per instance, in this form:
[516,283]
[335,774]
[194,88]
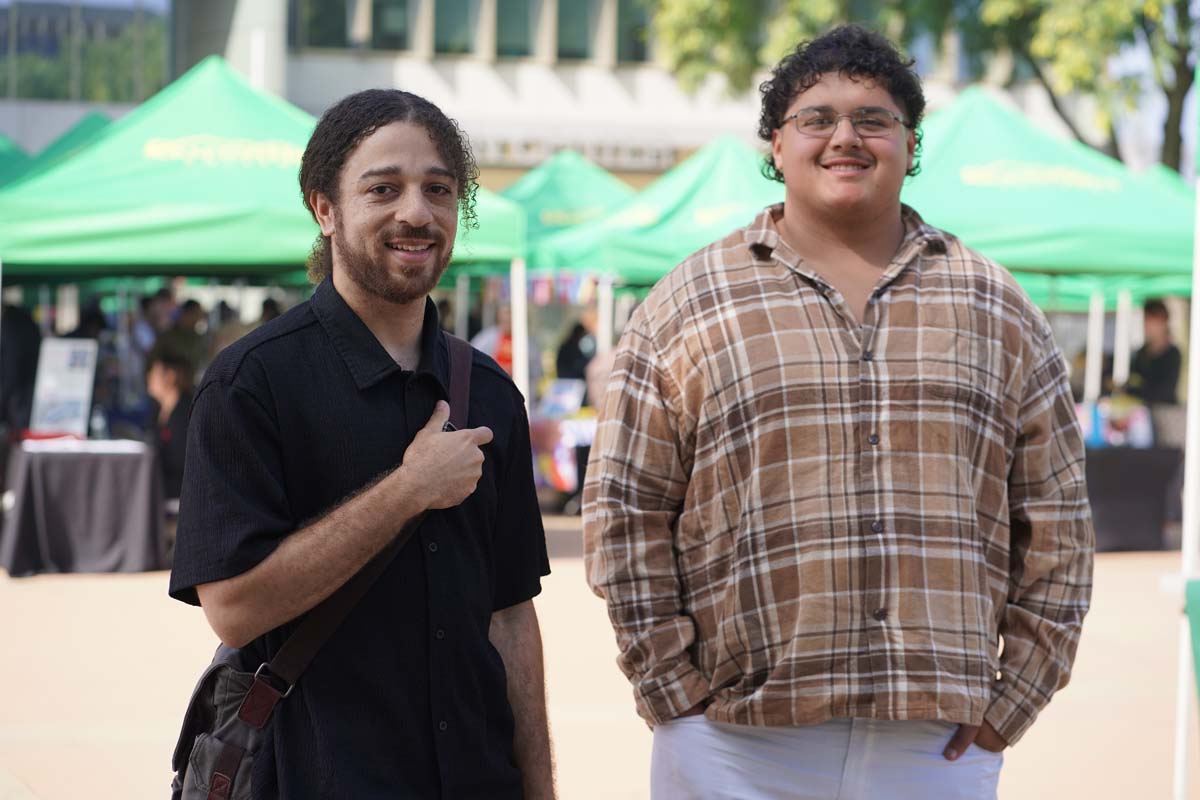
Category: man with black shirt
[1154,374]
[316,437]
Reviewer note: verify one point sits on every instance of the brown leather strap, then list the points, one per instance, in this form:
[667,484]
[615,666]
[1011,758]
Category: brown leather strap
[300,648]
[220,783]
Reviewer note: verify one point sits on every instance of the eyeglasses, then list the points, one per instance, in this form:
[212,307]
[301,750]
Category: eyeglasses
[869,123]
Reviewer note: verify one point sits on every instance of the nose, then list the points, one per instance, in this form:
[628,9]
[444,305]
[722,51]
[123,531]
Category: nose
[844,135]
[413,209]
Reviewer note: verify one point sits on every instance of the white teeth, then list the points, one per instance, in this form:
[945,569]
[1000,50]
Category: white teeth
[410,248]
[847,167]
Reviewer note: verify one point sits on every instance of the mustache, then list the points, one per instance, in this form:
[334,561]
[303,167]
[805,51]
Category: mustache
[409,232]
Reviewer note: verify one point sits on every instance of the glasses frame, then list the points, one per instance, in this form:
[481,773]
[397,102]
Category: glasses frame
[837,120]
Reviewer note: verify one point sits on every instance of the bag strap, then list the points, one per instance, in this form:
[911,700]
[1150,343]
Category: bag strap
[320,623]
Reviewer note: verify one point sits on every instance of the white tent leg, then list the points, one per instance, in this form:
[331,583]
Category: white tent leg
[604,312]
[1122,347]
[1189,555]
[520,328]
[462,301]
[1092,375]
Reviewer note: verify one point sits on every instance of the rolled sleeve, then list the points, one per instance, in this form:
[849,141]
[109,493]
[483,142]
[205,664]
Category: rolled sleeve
[636,481]
[233,510]
[1051,551]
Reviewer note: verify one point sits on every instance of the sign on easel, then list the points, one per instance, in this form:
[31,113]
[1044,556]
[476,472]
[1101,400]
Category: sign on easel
[62,393]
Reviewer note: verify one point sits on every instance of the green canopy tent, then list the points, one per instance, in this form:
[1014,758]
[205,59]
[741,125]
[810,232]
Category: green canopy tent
[72,140]
[199,180]
[719,188]
[1037,203]
[563,191]
[12,159]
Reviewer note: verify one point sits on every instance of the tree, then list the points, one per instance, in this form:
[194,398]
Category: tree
[1069,47]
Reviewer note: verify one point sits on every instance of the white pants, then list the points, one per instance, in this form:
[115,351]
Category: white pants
[843,759]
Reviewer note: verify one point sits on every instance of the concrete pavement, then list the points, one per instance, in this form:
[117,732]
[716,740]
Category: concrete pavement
[96,671]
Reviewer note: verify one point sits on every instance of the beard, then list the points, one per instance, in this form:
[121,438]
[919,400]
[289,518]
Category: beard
[377,279]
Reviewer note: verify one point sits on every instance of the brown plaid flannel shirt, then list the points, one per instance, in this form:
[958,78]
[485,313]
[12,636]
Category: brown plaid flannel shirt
[794,518]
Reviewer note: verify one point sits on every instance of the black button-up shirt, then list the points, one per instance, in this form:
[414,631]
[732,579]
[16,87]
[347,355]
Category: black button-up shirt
[408,697]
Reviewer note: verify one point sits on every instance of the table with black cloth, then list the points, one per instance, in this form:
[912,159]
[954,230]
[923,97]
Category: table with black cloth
[94,506]
[1128,490]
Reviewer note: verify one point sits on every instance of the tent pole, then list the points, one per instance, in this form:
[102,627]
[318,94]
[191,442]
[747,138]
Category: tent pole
[462,300]
[44,308]
[1095,349]
[520,328]
[1122,348]
[604,310]
[1191,524]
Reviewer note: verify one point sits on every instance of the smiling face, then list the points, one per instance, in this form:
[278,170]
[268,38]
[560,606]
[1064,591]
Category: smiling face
[396,216]
[844,176]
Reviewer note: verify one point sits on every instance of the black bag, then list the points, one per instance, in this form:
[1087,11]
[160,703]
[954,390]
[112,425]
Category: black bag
[231,706]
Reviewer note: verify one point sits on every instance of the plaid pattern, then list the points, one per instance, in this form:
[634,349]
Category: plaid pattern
[795,519]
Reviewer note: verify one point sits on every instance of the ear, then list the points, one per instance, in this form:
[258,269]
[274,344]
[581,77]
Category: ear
[322,208]
[911,141]
[777,148]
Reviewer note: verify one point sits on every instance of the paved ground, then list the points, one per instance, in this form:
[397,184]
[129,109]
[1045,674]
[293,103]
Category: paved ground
[96,670]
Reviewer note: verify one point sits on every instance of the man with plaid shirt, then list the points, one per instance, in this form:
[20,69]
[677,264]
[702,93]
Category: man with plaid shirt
[836,502]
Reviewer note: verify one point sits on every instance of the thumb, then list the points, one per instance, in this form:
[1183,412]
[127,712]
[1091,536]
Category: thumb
[960,741]
[441,413]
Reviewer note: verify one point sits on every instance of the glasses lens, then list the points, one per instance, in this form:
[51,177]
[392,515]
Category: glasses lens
[872,123]
[816,123]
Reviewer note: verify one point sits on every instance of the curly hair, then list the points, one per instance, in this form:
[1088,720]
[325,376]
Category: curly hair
[854,52]
[351,120]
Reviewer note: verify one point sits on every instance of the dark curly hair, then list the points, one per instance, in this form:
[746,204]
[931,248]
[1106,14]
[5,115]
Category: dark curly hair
[345,125]
[854,52]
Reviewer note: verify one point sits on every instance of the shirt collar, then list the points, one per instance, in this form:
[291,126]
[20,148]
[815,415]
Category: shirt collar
[367,360]
[763,239]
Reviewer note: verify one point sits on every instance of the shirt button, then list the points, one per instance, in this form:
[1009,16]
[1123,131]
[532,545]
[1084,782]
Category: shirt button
[433,547]
[880,614]
[877,526]
[873,439]
[442,725]
[441,634]
[868,355]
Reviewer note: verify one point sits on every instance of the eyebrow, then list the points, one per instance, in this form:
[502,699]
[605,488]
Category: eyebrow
[859,110]
[394,169]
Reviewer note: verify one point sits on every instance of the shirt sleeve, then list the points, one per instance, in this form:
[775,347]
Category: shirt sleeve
[519,542]
[633,495]
[233,510]
[1051,550]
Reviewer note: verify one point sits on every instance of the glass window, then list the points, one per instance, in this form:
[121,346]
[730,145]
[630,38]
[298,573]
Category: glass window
[391,24]
[452,27]
[633,27]
[574,28]
[324,23]
[514,28]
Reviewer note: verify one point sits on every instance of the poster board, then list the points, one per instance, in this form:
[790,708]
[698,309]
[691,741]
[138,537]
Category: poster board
[62,392]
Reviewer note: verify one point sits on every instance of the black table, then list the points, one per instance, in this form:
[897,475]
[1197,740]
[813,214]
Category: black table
[83,507]
[1128,489]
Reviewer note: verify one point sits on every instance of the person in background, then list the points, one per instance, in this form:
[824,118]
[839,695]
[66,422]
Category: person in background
[270,310]
[20,342]
[186,337]
[1154,373]
[169,383]
[578,348]
[496,340]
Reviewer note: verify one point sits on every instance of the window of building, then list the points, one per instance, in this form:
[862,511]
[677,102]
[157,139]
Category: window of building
[514,28]
[453,27]
[633,29]
[576,24]
[391,24]
[323,23]
[94,50]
